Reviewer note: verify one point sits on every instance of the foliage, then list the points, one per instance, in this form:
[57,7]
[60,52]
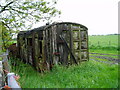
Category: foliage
[5,36]
[14,13]
[90,74]
[19,15]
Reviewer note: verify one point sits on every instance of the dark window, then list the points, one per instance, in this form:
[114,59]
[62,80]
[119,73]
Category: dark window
[29,42]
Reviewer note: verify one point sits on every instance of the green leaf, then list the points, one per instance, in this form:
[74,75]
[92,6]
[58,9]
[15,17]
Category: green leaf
[23,8]
[59,12]
[43,3]
[36,16]
[53,12]
[26,2]
[11,20]
[26,14]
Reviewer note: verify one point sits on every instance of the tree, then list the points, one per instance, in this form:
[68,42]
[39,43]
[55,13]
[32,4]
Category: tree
[4,36]
[19,15]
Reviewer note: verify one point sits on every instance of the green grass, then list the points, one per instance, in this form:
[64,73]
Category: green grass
[116,57]
[114,52]
[105,39]
[105,42]
[89,74]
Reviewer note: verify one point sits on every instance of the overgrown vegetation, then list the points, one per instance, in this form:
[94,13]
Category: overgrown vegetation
[90,74]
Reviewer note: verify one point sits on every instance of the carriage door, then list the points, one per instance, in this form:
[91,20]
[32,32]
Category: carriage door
[76,41]
[80,43]
[70,44]
[63,43]
[84,45]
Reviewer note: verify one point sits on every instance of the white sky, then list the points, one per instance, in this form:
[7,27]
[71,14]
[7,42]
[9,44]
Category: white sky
[100,16]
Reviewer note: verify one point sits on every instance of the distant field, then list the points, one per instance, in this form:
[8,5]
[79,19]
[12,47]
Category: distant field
[103,42]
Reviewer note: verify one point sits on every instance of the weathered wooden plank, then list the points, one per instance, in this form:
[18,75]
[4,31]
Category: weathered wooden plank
[6,65]
[60,43]
[68,49]
[54,44]
[26,57]
[67,39]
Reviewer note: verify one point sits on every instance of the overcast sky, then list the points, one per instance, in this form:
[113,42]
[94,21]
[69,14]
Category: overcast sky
[100,16]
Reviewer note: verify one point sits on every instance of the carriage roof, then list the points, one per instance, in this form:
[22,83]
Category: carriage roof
[42,28]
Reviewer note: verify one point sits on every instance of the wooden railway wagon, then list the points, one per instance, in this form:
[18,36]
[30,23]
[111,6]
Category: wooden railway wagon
[58,43]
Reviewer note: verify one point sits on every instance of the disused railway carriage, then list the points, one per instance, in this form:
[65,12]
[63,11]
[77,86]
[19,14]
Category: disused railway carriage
[64,43]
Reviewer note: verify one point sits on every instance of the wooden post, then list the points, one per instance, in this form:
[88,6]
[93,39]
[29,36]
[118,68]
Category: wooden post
[10,76]
[98,43]
[6,65]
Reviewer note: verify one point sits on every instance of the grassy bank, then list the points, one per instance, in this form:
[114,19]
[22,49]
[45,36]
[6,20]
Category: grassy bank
[104,42]
[90,74]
